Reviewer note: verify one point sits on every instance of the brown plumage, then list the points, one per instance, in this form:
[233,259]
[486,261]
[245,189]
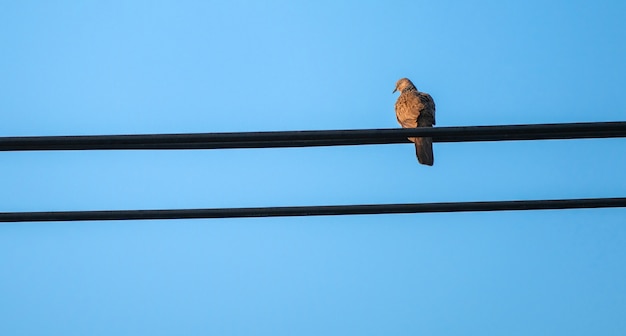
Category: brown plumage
[416,109]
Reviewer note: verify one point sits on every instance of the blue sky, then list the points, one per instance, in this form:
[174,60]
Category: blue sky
[130,67]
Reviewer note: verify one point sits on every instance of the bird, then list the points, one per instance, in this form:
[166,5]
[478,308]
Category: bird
[416,109]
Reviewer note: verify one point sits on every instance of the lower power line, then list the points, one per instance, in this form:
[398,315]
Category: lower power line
[332,210]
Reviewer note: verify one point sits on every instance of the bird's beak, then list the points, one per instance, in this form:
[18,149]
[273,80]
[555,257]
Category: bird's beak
[394,90]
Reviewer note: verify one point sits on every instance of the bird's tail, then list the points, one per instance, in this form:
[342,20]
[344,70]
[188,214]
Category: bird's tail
[424,150]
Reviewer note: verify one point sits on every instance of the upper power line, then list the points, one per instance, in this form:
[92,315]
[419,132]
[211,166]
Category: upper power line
[315,138]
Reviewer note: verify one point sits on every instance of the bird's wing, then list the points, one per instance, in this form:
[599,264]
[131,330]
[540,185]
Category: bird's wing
[426,117]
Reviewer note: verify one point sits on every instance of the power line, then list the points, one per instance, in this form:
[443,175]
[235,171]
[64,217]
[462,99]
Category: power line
[314,138]
[334,210]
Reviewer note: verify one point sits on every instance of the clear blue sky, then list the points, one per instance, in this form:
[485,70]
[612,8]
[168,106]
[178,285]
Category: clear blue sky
[124,67]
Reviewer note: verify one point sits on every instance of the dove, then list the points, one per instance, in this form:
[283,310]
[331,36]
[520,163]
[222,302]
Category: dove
[416,109]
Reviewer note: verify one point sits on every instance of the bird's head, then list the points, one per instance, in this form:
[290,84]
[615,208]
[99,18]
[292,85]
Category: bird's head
[403,84]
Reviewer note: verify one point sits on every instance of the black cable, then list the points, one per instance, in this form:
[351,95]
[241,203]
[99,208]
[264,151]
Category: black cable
[314,138]
[333,210]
